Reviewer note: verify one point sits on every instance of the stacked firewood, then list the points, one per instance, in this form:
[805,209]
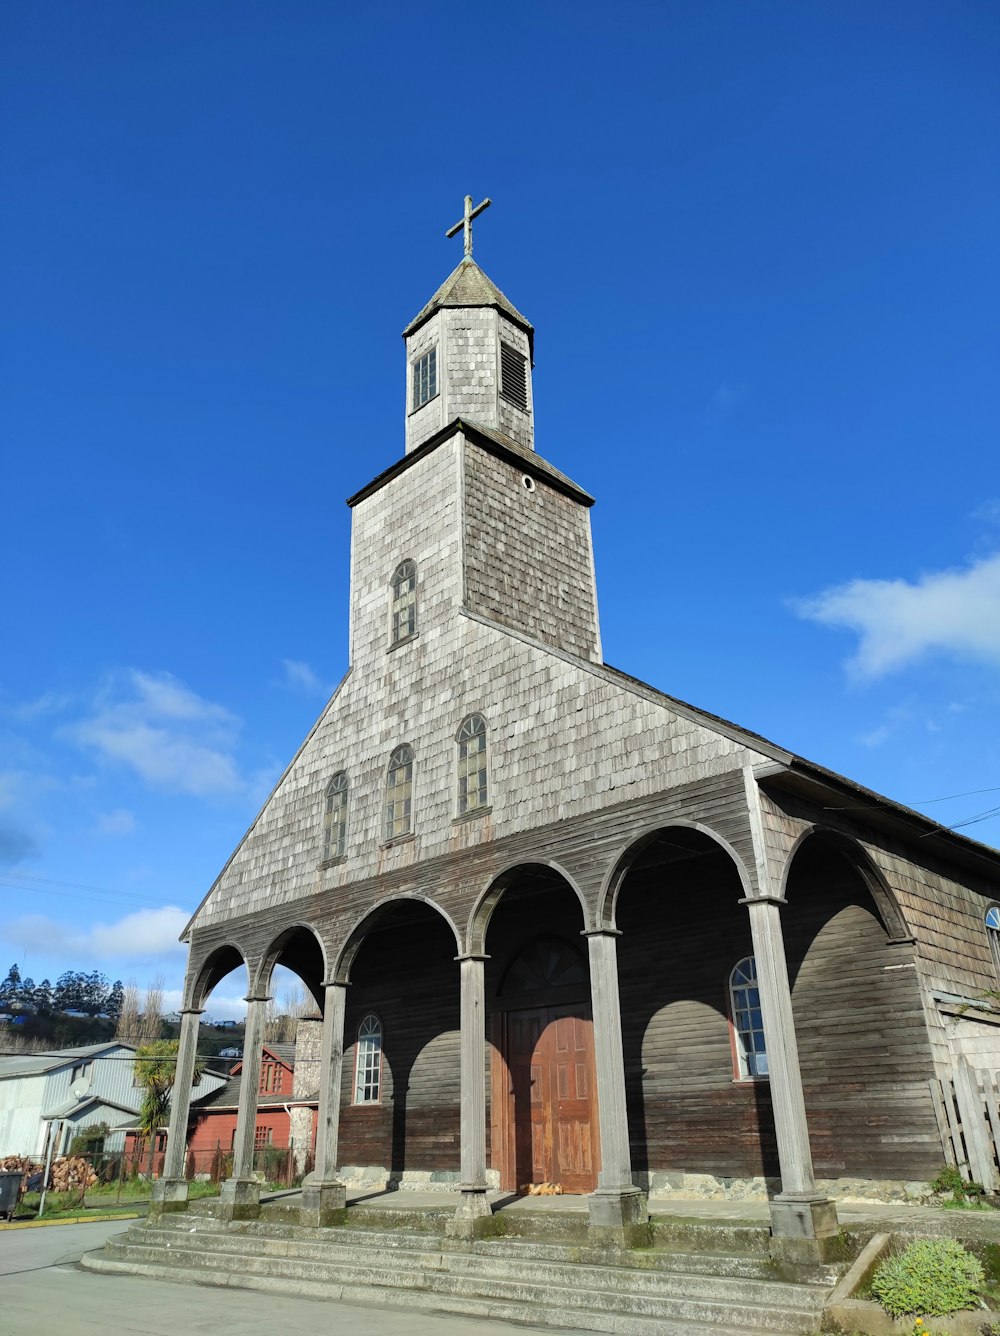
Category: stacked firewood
[12,1164]
[71,1173]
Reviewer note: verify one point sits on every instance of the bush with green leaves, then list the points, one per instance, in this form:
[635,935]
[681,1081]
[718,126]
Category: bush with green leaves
[950,1179]
[930,1276]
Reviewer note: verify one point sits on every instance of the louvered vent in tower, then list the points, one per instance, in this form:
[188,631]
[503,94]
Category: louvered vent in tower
[513,377]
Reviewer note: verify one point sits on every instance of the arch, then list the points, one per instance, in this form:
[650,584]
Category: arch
[607,903]
[491,896]
[858,856]
[352,944]
[222,960]
[272,956]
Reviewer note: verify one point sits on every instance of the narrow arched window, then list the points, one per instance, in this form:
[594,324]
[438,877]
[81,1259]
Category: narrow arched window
[748,1026]
[335,817]
[368,1062]
[399,793]
[404,601]
[992,922]
[473,785]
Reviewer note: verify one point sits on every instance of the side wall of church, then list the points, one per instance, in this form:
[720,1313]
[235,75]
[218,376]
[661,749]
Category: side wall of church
[423,422]
[862,1041]
[528,562]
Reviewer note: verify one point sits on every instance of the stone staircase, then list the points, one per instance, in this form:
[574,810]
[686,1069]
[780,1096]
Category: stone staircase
[659,1291]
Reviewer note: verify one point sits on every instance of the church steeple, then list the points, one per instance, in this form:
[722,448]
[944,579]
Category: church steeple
[469,355]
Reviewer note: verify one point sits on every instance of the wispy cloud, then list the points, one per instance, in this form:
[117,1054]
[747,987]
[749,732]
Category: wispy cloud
[119,822]
[170,736]
[300,676]
[989,511]
[954,612]
[16,843]
[144,934]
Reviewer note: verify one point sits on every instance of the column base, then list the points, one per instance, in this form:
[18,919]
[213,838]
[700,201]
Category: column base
[239,1199]
[323,1203]
[169,1194]
[619,1217]
[473,1218]
[803,1228]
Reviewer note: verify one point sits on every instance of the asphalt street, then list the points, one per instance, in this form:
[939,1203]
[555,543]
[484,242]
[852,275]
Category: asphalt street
[44,1293]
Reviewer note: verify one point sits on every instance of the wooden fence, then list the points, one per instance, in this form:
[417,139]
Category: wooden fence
[968,1114]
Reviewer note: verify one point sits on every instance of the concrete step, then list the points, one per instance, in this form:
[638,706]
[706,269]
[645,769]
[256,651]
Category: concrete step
[674,1276]
[586,1290]
[516,1311]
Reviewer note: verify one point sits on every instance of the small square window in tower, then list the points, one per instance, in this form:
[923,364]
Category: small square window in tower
[513,377]
[425,378]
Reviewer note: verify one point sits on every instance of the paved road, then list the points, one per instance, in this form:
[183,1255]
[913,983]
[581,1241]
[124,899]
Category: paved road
[43,1293]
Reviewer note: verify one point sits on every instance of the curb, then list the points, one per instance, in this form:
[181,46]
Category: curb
[68,1220]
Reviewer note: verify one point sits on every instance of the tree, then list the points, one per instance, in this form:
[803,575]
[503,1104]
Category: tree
[155,1072]
[10,989]
[42,999]
[114,1000]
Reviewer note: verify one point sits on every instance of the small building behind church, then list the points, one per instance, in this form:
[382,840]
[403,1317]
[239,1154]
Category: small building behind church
[562,927]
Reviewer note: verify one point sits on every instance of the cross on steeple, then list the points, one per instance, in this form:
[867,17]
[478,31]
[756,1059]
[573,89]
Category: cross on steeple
[466,222]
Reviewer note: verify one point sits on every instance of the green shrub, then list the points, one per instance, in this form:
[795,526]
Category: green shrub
[932,1276]
[949,1179]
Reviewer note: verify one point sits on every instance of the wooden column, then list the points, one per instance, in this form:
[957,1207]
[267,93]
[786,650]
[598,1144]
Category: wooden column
[799,1210]
[170,1192]
[473,1205]
[240,1195]
[323,1195]
[617,1204]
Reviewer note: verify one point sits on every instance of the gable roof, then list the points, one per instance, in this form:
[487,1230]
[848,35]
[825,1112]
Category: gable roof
[467,285]
[34,1064]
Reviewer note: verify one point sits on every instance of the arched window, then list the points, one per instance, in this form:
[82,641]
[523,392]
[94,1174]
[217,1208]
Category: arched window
[748,1027]
[404,601]
[335,817]
[992,922]
[368,1062]
[473,786]
[399,793]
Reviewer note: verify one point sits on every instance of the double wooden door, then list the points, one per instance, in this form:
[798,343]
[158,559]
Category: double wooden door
[544,1123]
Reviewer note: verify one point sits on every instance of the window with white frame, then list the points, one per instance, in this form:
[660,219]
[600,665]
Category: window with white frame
[992,923]
[425,378]
[404,601]
[399,793]
[335,817]
[748,1026]
[368,1062]
[473,786]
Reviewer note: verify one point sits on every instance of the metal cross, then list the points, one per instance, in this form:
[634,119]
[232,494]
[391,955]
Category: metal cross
[466,222]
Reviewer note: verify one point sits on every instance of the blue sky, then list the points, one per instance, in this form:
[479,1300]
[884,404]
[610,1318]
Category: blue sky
[758,244]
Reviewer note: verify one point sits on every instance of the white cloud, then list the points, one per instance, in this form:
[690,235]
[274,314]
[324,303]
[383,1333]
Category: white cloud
[138,936]
[168,734]
[50,702]
[989,511]
[953,612]
[119,822]
[301,677]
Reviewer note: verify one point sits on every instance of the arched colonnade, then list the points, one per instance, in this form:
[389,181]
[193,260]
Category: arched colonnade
[325,962]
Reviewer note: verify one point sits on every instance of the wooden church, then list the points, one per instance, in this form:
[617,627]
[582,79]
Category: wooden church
[563,928]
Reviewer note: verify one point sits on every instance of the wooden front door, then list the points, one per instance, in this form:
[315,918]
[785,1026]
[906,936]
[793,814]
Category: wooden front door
[544,1102]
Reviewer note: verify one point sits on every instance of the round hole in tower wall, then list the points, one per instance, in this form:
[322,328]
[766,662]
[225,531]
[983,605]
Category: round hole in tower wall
[529,483]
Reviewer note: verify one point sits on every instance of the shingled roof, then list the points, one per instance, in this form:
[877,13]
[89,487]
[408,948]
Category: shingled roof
[469,286]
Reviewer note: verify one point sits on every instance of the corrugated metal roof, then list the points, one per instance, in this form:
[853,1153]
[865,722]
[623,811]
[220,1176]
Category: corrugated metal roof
[32,1064]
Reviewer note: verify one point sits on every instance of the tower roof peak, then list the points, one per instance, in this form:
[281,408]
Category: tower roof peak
[468,285]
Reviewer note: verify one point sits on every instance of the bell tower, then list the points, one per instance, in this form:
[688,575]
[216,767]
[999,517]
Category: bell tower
[469,355]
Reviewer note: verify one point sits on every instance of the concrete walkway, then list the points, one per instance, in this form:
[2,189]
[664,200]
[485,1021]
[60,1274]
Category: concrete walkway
[42,1291]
